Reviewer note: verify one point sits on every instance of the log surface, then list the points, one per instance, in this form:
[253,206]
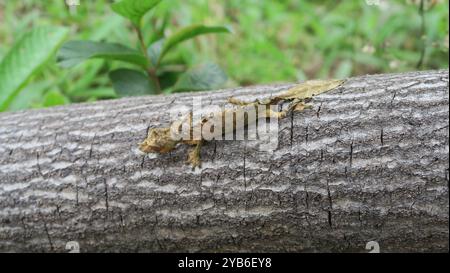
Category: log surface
[369,162]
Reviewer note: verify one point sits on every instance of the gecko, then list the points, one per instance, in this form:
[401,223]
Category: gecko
[162,140]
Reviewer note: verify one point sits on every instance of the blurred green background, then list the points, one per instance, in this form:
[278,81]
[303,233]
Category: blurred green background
[272,41]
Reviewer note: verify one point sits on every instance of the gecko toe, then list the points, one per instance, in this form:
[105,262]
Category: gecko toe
[194,160]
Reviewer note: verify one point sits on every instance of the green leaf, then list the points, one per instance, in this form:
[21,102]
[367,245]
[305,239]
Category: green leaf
[188,33]
[202,77]
[54,98]
[26,58]
[128,82]
[134,9]
[75,52]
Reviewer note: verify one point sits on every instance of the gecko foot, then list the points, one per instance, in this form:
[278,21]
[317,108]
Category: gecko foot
[301,106]
[194,156]
[274,114]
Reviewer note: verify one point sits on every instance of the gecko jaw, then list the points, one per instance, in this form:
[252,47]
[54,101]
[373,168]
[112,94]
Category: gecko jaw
[148,148]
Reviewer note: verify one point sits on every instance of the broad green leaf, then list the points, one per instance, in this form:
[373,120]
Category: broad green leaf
[128,82]
[134,9]
[188,33]
[168,79]
[54,98]
[75,52]
[26,58]
[202,77]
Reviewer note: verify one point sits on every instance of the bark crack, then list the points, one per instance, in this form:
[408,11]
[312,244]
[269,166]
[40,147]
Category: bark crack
[306,196]
[359,217]
[330,201]
[214,151]
[77,202]
[351,154]
[38,165]
[292,129]
[106,196]
[47,233]
[307,134]
[318,110]
[244,167]
[393,97]
[92,145]
[142,162]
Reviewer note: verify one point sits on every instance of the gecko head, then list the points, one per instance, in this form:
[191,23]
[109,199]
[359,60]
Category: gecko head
[158,140]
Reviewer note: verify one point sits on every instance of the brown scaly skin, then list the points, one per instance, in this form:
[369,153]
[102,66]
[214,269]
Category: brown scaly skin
[159,140]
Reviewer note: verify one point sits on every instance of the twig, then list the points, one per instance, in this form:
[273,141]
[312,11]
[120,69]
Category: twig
[150,71]
[422,36]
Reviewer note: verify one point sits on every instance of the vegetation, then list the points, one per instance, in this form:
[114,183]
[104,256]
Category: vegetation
[271,41]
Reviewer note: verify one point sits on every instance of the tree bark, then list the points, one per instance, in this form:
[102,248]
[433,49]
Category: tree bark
[368,162]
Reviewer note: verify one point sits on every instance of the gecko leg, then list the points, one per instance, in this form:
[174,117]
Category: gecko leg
[296,106]
[299,105]
[194,155]
[275,114]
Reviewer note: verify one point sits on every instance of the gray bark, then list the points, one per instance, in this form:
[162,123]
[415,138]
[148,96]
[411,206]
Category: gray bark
[369,162]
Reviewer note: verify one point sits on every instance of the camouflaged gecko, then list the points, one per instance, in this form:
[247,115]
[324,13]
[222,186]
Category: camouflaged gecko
[162,140]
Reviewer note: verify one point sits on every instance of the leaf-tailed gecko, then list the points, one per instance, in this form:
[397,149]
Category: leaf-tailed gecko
[162,140]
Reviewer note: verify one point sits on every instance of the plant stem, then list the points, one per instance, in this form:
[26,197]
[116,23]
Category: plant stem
[152,74]
[150,71]
[422,35]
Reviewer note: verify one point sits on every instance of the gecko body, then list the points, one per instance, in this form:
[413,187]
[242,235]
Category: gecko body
[164,140]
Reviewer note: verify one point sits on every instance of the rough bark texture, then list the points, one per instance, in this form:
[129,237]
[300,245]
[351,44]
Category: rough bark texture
[368,162]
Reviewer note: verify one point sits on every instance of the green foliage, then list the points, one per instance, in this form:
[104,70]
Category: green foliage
[206,76]
[154,51]
[273,41]
[25,60]
[186,34]
[75,52]
[54,98]
[134,9]
[128,82]
[30,96]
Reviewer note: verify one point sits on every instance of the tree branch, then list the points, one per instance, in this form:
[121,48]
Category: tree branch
[369,162]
